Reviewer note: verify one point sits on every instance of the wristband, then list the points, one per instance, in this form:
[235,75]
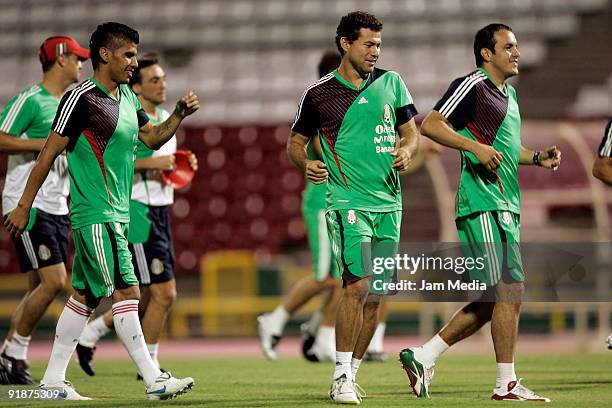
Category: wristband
[536,158]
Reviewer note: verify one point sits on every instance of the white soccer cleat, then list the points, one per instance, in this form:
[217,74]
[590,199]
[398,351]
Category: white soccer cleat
[167,387]
[361,394]
[609,341]
[267,340]
[517,392]
[343,391]
[66,391]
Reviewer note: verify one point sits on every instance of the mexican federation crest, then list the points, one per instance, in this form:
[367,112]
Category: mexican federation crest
[387,113]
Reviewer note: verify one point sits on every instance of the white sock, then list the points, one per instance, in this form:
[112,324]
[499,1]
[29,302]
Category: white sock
[355,363]
[67,332]
[127,326]
[93,332]
[430,351]
[18,347]
[314,322]
[376,344]
[153,352]
[505,374]
[278,319]
[343,365]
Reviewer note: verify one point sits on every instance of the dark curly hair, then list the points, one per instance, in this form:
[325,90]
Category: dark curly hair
[145,60]
[485,38]
[353,22]
[110,35]
[330,60]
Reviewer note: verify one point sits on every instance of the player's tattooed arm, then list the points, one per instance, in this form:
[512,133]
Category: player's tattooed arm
[17,220]
[315,170]
[154,137]
[15,145]
[436,127]
[549,158]
[408,146]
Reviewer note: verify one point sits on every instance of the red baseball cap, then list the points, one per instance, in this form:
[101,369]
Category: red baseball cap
[57,45]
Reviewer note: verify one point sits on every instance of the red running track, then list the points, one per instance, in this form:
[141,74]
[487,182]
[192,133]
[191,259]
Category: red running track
[290,347]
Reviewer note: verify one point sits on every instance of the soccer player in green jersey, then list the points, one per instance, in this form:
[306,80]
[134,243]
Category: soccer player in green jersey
[479,116]
[318,338]
[42,249]
[150,234]
[602,167]
[364,117]
[99,123]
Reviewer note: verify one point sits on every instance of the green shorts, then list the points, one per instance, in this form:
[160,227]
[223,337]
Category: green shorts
[102,260]
[358,238]
[495,237]
[323,265]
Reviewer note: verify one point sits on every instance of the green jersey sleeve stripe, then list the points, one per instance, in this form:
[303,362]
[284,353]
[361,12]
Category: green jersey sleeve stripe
[605,149]
[16,109]
[68,107]
[320,81]
[461,91]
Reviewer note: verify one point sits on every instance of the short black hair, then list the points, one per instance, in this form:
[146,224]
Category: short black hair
[110,35]
[329,61]
[47,65]
[353,22]
[145,60]
[485,38]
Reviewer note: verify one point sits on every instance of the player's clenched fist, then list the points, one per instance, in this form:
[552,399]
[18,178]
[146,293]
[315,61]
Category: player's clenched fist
[187,105]
[488,157]
[550,158]
[402,159]
[17,220]
[316,171]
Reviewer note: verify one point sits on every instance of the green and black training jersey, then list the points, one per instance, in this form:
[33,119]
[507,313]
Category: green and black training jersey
[102,133]
[605,147]
[477,109]
[358,131]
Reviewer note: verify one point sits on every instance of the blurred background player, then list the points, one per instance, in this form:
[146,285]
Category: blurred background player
[99,122]
[318,333]
[479,116]
[150,234]
[602,169]
[364,193]
[42,249]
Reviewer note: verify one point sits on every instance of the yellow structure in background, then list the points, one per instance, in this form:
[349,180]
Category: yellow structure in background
[229,302]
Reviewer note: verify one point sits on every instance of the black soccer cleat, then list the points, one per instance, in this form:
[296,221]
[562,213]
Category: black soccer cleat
[85,355]
[13,371]
[308,340]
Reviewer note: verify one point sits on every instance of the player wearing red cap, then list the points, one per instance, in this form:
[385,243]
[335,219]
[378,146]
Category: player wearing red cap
[42,249]
[150,234]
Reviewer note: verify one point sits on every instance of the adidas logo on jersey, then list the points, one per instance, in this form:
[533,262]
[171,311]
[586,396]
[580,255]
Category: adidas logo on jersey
[362,100]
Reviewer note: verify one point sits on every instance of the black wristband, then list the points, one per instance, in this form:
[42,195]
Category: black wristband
[536,158]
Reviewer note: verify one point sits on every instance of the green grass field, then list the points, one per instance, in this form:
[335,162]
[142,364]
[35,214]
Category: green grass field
[460,381]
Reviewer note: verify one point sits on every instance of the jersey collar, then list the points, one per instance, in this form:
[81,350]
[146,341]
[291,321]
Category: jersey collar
[43,89]
[505,89]
[105,91]
[349,85]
